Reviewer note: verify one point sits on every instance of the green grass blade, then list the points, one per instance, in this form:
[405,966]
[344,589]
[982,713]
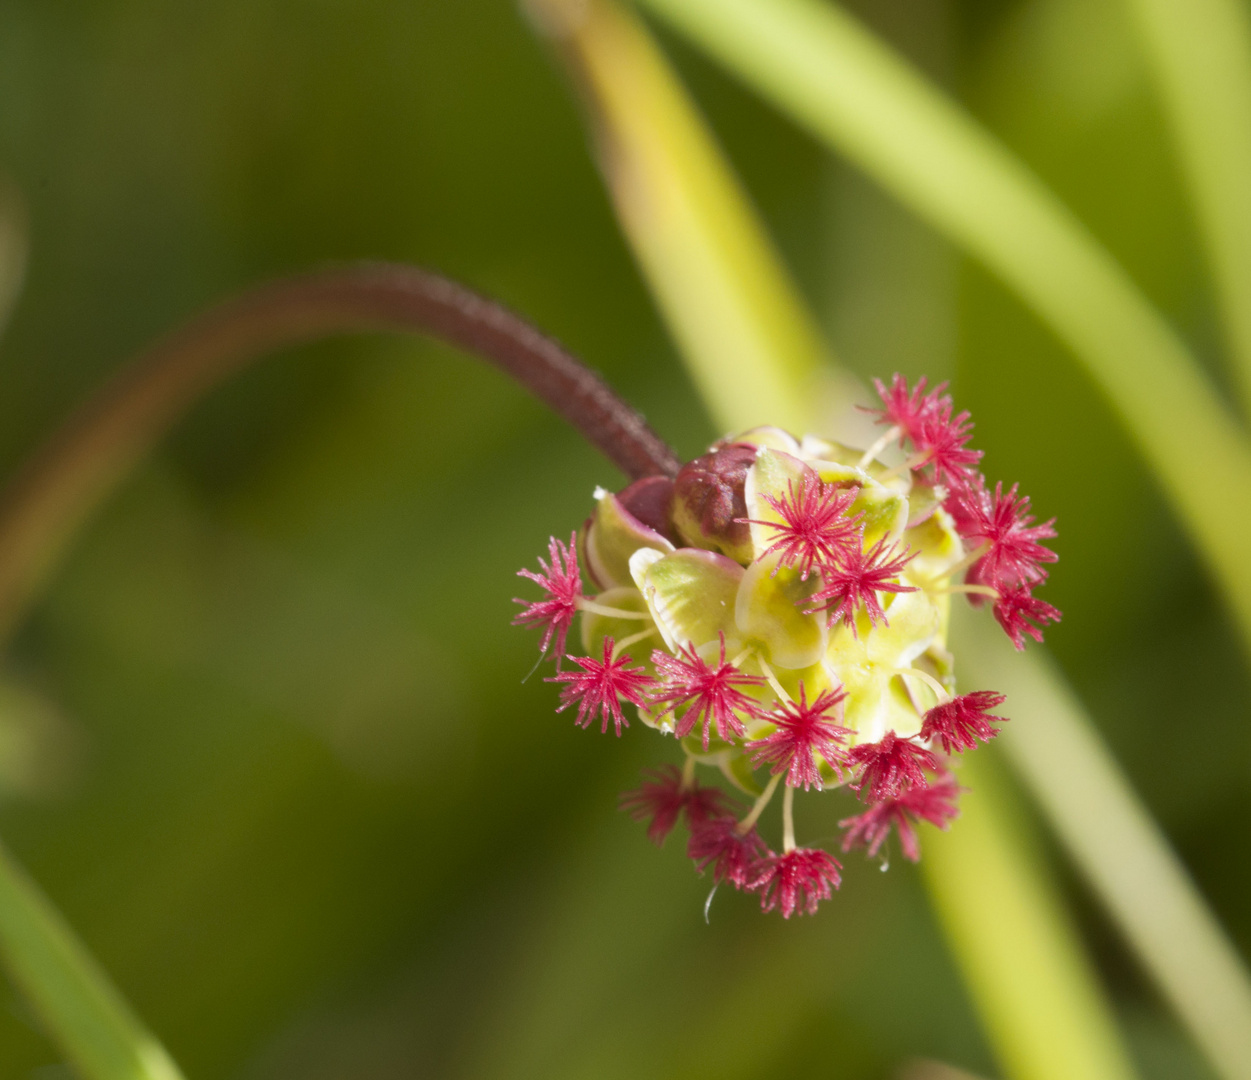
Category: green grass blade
[854,93]
[1118,847]
[1199,54]
[999,910]
[81,1010]
[724,292]
[1074,1037]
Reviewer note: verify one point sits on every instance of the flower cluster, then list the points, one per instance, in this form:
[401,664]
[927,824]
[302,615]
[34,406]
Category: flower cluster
[780,608]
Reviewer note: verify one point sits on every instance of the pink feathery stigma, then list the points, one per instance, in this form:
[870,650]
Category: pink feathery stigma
[943,439]
[815,528]
[563,585]
[891,766]
[663,798]
[1004,524]
[710,695]
[735,857]
[797,881]
[600,686]
[856,579]
[904,408]
[1020,613]
[959,723]
[803,732]
[935,804]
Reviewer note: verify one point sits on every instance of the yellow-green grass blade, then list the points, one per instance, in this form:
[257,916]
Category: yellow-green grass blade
[80,1008]
[1199,56]
[1119,849]
[724,292]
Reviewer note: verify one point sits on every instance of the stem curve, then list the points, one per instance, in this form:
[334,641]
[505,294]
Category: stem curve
[93,450]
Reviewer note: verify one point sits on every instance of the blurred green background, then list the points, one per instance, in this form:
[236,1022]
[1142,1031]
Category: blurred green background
[286,780]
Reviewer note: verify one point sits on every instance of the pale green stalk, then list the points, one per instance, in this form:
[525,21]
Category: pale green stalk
[81,1010]
[854,93]
[713,270]
[1199,54]
[999,910]
[1119,848]
[1044,1011]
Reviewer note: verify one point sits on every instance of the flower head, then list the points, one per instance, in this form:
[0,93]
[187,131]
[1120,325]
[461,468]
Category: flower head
[664,797]
[935,803]
[600,686]
[815,529]
[961,722]
[1019,612]
[906,409]
[707,695]
[733,853]
[890,766]
[757,661]
[562,583]
[803,733]
[1003,524]
[856,579]
[797,880]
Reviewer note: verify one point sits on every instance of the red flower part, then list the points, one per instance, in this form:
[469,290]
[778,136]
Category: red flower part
[943,438]
[797,881]
[1020,613]
[563,585]
[904,408]
[935,804]
[1005,524]
[662,799]
[815,528]
[803,732]
[710,695]
[891,766]
[962,721]
[601,685]
[857,579]
[734,857]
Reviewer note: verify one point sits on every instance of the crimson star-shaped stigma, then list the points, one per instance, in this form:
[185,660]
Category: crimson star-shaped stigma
[890,766]
[935,804]
[1004,524]
[797,881]
[815,528]
[959,723]
[563,586]
[943,439]
[710,695]
[1021,613]
[600,686]
[856,579]
[803,732]
[663,798]
[735,857]
[907,409]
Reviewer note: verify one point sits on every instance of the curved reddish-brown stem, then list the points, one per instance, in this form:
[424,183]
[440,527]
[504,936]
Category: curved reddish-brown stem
[64,481]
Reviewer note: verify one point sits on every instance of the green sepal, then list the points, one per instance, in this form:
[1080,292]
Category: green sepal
[736,767]
[690,593]
[614,534]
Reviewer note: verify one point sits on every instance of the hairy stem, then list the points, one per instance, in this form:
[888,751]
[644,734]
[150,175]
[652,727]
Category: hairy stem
[97,446]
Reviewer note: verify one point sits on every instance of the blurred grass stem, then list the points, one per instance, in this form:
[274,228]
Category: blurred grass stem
[1199,54]
[824,70]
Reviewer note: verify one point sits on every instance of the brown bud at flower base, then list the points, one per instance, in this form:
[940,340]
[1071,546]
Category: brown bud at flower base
[708,504]
[649,501]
